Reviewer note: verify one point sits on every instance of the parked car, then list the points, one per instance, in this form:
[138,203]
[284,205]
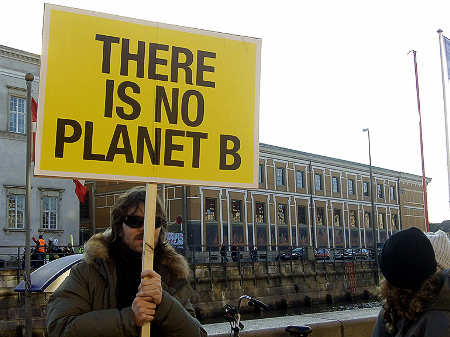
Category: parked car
[322,254]
[352,253]
[294,254]
[344,254]
[361,253]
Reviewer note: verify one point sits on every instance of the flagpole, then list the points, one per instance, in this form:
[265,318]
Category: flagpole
[424,183]
[28,319]
[445,113]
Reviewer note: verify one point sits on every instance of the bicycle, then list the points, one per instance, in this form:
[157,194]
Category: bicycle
[233,316]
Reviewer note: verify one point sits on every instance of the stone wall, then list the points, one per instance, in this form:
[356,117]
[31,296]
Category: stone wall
[12,307]
[280,284]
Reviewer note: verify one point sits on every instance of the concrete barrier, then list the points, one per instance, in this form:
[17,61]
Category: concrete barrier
[347,323]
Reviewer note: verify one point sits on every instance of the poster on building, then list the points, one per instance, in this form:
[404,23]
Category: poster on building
[175,239]
[127,99]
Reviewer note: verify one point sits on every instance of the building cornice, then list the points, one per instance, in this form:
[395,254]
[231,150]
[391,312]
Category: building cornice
[20,55]
[290,153]
[16,74]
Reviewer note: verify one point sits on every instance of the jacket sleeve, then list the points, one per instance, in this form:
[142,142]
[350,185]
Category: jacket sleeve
[379,329]
[432,323]
[174,320]
[77,308]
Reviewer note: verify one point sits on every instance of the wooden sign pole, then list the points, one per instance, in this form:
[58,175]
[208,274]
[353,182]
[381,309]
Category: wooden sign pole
[149,237]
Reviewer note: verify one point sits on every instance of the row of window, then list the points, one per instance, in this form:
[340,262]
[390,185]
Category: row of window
[16,212]
[264,236]
[336,185]
[236,215]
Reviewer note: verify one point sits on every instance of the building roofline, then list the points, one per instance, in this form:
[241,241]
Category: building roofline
[312,156]
[20,55]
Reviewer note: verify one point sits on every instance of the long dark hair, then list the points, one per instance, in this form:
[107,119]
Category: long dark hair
[164,252]
[407,303]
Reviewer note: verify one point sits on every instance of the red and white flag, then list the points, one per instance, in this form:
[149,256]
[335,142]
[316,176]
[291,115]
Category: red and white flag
[80,189]
[33,124]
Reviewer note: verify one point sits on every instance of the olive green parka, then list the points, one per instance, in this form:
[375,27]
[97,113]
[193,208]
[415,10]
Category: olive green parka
[85,303]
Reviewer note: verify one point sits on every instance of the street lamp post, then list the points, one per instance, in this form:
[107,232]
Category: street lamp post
[374,233]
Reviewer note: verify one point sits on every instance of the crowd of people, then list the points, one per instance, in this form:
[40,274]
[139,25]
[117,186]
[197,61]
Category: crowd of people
[236,254]
[43,251]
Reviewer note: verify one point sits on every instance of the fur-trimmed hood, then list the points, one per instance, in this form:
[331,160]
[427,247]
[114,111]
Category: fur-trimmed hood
[97,247]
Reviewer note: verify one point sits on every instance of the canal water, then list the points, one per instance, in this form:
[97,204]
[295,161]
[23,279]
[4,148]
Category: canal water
[302,310]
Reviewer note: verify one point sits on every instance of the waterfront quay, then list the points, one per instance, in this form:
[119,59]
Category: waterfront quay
[347,323]
[280,284]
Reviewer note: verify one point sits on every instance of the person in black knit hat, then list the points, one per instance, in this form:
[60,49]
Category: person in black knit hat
[415,293]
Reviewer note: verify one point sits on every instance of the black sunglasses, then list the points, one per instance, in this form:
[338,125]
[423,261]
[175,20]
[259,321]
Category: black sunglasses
[135,221]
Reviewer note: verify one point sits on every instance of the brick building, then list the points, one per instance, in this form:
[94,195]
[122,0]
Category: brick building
[303,199]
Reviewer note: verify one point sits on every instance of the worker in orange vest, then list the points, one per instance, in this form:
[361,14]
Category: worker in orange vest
[41,244]
[40,250]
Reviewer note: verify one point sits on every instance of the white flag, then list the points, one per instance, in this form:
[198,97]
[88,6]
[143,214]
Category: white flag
[447,55]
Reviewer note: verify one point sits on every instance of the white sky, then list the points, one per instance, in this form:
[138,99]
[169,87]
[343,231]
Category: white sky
[329,69]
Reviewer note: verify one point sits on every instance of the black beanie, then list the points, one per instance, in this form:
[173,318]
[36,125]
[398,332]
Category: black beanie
[407,259]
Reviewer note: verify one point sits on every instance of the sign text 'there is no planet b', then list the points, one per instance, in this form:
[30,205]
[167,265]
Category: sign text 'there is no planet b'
[125,99]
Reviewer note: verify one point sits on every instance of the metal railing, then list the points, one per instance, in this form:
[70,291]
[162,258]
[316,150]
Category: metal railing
[13,257]
[325,259]
[246,253]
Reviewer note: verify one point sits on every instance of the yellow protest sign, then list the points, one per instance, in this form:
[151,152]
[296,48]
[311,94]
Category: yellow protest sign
[126,99]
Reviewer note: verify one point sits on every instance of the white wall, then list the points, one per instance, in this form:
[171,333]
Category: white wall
[14,65]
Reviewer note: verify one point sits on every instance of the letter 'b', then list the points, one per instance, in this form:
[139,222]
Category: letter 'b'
[224,151]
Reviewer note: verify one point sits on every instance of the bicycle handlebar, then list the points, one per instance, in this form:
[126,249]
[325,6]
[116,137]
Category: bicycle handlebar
[252,300]
[233,315]
[260,304]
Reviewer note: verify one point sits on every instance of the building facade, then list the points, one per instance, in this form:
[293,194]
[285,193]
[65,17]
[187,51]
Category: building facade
[54,205]
[303,199]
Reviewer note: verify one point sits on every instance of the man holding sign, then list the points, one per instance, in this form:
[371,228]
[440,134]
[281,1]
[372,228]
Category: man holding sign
[153,103]
[108,295]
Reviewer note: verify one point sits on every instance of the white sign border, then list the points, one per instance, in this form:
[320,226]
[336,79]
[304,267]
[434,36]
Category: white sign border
[94,176]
